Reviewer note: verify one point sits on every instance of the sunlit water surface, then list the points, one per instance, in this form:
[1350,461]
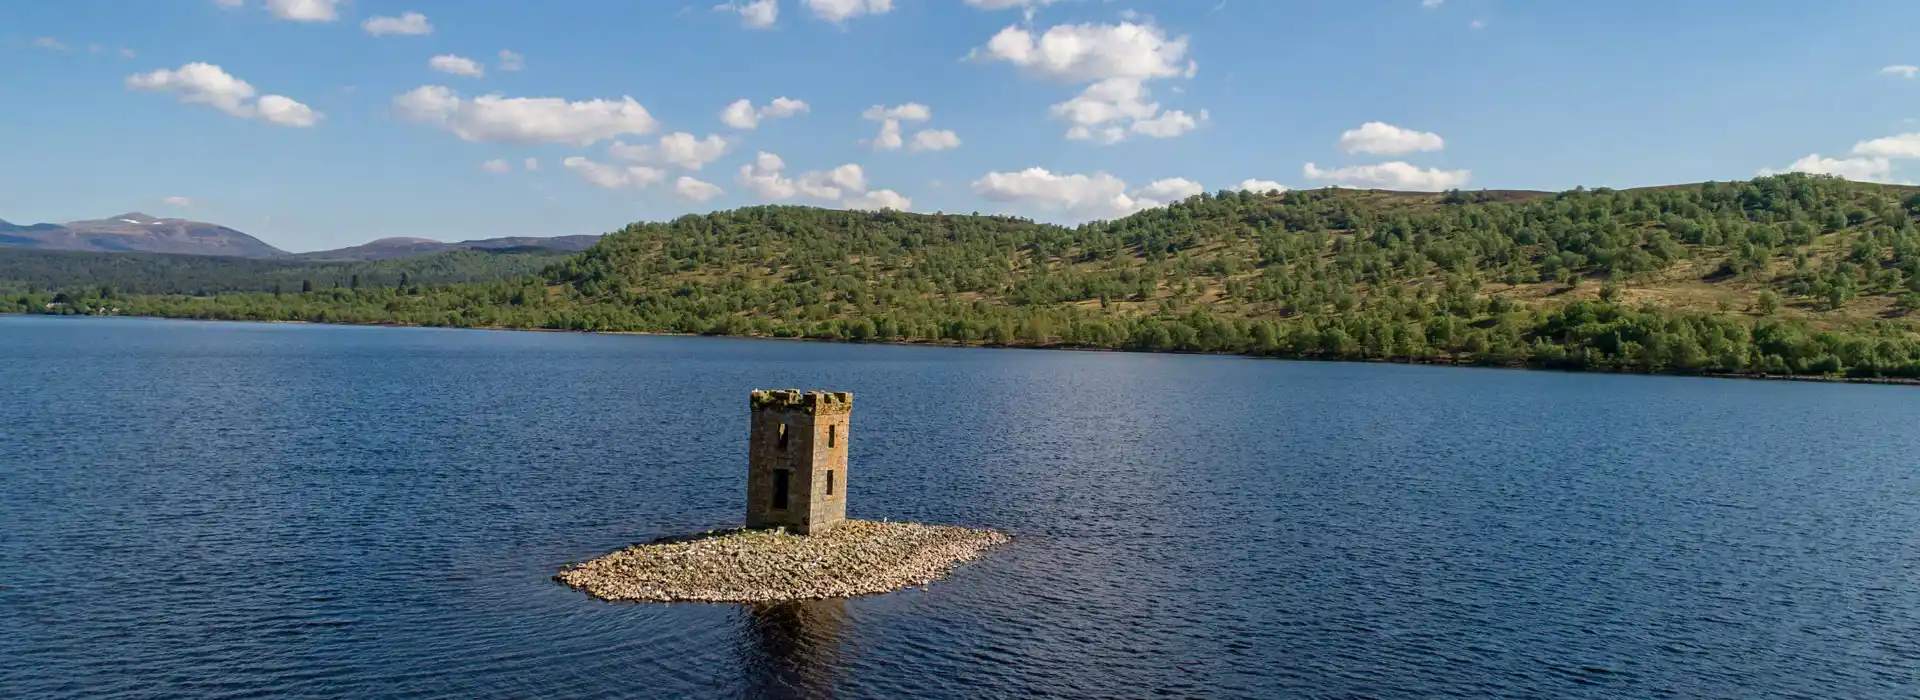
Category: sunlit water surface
[210,510]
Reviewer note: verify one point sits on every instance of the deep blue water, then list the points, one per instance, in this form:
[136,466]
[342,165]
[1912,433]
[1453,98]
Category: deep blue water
[213,510]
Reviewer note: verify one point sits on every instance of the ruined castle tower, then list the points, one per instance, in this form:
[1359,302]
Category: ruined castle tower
[797,460]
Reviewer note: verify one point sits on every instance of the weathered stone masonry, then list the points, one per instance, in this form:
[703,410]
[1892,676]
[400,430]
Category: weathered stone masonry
[796,481]
[797,460]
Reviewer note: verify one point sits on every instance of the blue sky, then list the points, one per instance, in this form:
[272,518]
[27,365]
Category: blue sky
[1063,110]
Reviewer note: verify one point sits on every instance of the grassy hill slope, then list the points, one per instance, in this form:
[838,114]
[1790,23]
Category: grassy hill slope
[1794,273]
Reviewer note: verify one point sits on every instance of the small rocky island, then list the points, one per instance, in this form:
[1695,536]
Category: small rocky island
[798,543]
[754,566]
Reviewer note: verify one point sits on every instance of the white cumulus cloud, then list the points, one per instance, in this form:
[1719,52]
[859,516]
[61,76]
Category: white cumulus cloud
[1896,146]
[1902,71]
[282,110]
[203,83]
[679,149]
[741,114]
[783,107]
[1079,53]
[208,84]
[510,61]
[1862,169]
[766,178]
[1109,111]
[890,137]
[843,10]
[1109,100]
[878,200]
[497,165]
[847,179]
[758,14]
[909,112]
[613,177]
[456,65]
[1381,138]
[1168,124]
[1116,61]
[1261,186]
[1170,189]
[1395,175]
[181,202]
[526,120]
[1096,196]
[49,43]
[693,190]
[305,10]
[934,140]
[407,24]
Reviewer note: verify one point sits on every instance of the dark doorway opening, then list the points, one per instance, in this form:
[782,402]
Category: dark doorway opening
[781,482]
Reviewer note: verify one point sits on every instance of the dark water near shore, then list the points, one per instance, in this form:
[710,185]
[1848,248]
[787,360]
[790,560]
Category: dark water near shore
[215,510]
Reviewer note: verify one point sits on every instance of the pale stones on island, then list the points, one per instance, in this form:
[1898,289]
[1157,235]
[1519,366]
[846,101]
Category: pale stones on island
[798,543]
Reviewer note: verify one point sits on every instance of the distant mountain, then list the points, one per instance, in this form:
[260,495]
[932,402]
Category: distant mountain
[572,244]
[138,233]
[8,227]
[383,249]
[391,248]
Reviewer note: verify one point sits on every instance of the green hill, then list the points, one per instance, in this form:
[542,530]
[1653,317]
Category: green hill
[24,270]
[1789,274]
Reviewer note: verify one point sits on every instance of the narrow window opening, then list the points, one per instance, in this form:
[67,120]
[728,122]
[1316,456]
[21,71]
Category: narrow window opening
[781,442]
[829,482]
[833,437]
[781,479]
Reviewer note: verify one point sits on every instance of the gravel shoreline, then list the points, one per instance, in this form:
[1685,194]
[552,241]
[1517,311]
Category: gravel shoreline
[860,557]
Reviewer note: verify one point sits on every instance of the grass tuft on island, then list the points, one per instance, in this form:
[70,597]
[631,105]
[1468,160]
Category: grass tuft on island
[860,557]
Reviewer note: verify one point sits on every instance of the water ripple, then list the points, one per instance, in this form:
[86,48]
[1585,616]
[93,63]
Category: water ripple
[226,510]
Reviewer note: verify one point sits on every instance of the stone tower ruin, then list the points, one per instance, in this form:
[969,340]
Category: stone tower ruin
[797,460]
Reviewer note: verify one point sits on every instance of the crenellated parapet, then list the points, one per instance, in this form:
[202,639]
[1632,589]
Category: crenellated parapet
[808,402]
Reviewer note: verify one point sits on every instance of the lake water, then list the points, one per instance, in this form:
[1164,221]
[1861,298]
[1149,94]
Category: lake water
[211,510]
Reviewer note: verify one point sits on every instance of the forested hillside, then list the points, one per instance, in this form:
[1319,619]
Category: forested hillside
[1790,274]
[23,270]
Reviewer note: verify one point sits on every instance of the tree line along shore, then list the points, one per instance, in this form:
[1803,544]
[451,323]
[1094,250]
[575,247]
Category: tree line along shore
[1795,275]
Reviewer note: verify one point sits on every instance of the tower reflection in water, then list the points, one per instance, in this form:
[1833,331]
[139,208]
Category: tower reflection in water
[793,648]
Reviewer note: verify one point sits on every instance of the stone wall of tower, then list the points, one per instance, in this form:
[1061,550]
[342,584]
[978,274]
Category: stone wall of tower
[804,435]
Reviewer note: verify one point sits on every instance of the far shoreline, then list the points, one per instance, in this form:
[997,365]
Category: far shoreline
[1443,363]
